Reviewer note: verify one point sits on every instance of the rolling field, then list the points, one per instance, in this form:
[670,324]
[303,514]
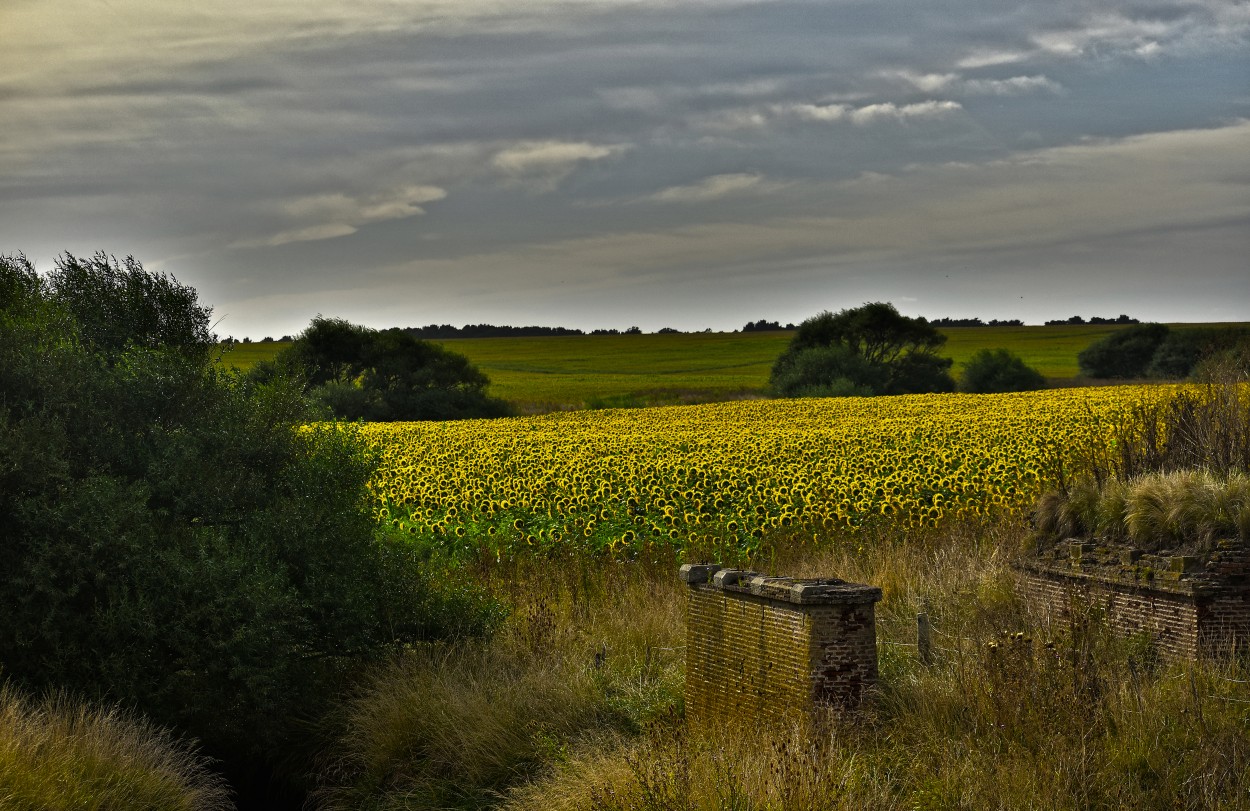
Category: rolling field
[725,475]
[544,374]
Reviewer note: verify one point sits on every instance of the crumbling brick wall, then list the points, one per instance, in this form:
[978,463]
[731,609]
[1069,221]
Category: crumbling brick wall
[763,648]
[1190,607]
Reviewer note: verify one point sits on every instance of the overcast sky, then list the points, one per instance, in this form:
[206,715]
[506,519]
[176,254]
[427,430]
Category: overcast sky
[606,163]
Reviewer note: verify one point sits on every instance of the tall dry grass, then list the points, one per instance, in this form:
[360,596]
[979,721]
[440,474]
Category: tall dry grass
[1174,471]
[591,652]
[58,753]
[1203,426]
[1014,714]
[576,705]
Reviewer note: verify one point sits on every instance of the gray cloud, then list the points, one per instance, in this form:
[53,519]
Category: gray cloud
[546,163]
[327,216]
[715,188]
[519,158]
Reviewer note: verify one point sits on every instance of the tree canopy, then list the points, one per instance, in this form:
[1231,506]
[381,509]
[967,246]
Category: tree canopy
[867,350]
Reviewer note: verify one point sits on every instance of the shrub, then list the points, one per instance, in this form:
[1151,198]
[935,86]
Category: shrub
[1123,354]
[999,370]
[828,371]
[173,538]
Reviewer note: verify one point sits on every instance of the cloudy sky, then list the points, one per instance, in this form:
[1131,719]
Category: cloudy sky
[605,163]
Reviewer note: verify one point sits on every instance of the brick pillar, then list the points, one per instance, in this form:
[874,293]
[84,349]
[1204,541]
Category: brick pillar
[766,647]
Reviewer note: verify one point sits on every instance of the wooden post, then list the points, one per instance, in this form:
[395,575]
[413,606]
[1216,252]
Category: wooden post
[924,639]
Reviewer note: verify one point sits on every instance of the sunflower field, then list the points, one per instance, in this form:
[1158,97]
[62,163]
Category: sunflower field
[727,475]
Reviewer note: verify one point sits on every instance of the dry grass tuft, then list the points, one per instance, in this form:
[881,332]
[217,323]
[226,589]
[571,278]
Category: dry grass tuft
[57,753]
[1184,509]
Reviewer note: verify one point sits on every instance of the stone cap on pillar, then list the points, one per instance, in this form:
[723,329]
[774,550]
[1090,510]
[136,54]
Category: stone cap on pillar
[812,591]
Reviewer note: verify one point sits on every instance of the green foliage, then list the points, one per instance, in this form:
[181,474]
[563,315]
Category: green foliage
[999,370]
[866,350]
[360,373]
[173,539]
[829,371]
[118,305]
[1124,354]
[60,753]
[1182,351]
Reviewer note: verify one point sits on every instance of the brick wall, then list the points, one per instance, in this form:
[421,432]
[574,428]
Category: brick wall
[762,648]
[1186,618]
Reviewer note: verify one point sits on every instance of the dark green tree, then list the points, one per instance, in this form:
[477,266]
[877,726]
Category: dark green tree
[173,538]
[999,370]
[866,350]
[360,373]
[118,305]
[1123,354]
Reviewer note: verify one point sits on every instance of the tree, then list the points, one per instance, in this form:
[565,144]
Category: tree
[1125,353]
[361,373]
[173,539]
[999,370]
[118,305]
[871,349]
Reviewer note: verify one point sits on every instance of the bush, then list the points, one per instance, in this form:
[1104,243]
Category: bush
[867,350]
[1124,354]
[173,538]
[998,370]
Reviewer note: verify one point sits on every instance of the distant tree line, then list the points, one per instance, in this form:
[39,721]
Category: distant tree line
[447,331]
[765,326]
[436,331]
[976,322]
[629,331]
[1077,320]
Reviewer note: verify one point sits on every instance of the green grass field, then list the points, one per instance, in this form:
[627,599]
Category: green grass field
[579,371]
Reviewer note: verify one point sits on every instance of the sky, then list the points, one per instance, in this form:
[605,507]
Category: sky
[611,163]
